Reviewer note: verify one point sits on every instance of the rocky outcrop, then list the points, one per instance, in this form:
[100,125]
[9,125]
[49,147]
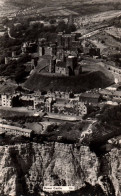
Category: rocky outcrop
[113,169]
[26,168]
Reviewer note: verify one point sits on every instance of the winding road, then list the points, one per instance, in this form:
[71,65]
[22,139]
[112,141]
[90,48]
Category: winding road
[88,131]
[10,34]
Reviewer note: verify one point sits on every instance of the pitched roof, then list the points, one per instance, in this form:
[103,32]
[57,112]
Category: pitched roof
[117,93]
[90,95]
[15,128]
[105,91]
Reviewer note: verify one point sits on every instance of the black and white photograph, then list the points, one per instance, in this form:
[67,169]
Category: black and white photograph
[60,97]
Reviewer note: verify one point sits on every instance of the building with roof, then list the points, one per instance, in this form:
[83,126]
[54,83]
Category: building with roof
[106,94]
[60,94]
[116,71]
[90,98]
[110,95]
[77,70]
[30,65]
[60,103]
[49,49]
[13,130]
[69,108]
[52,102]
[71,61]
[61,68]
[114,87]
[39,102]
[116,96]
[61,57]
[68,67]
[29,47]
[41,51]
[89,48]
[67,40]
[6,100]
[7,60]
[52,64]
[70,20]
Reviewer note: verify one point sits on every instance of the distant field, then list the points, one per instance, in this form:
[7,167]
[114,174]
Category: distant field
[93,8]
[82,7]
[98,18]
[7,10]
[76,84]
[58,12]
[48,11]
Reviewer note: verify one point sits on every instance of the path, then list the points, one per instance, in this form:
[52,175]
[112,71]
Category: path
[10,34]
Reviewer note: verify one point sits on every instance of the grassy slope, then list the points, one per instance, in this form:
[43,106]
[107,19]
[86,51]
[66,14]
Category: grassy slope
[76,84]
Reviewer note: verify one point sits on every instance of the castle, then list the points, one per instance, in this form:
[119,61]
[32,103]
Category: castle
[61,57]
[63,54]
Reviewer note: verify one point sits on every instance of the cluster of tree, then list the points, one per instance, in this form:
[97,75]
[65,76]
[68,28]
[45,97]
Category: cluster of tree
[6,42]
[12,140]
[68,132]
[52,21]
[62,26]
[34,31]
[18,102]
[92,112]
[24,119]
[5,21]
[15,69]
[111,115]
[40,106]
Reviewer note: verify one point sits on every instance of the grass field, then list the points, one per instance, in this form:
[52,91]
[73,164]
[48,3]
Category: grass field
[62,83]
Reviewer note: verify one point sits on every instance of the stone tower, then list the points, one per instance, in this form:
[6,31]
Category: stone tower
[52,66]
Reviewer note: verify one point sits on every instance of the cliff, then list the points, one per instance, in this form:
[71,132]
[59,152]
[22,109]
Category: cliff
[26,168]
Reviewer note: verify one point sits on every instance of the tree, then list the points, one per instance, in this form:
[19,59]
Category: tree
[61,26]
[5,21]
[71,28]
[52,21]
[15,101]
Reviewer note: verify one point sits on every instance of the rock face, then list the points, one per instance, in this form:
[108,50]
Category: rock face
[26,168]
[113,169]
